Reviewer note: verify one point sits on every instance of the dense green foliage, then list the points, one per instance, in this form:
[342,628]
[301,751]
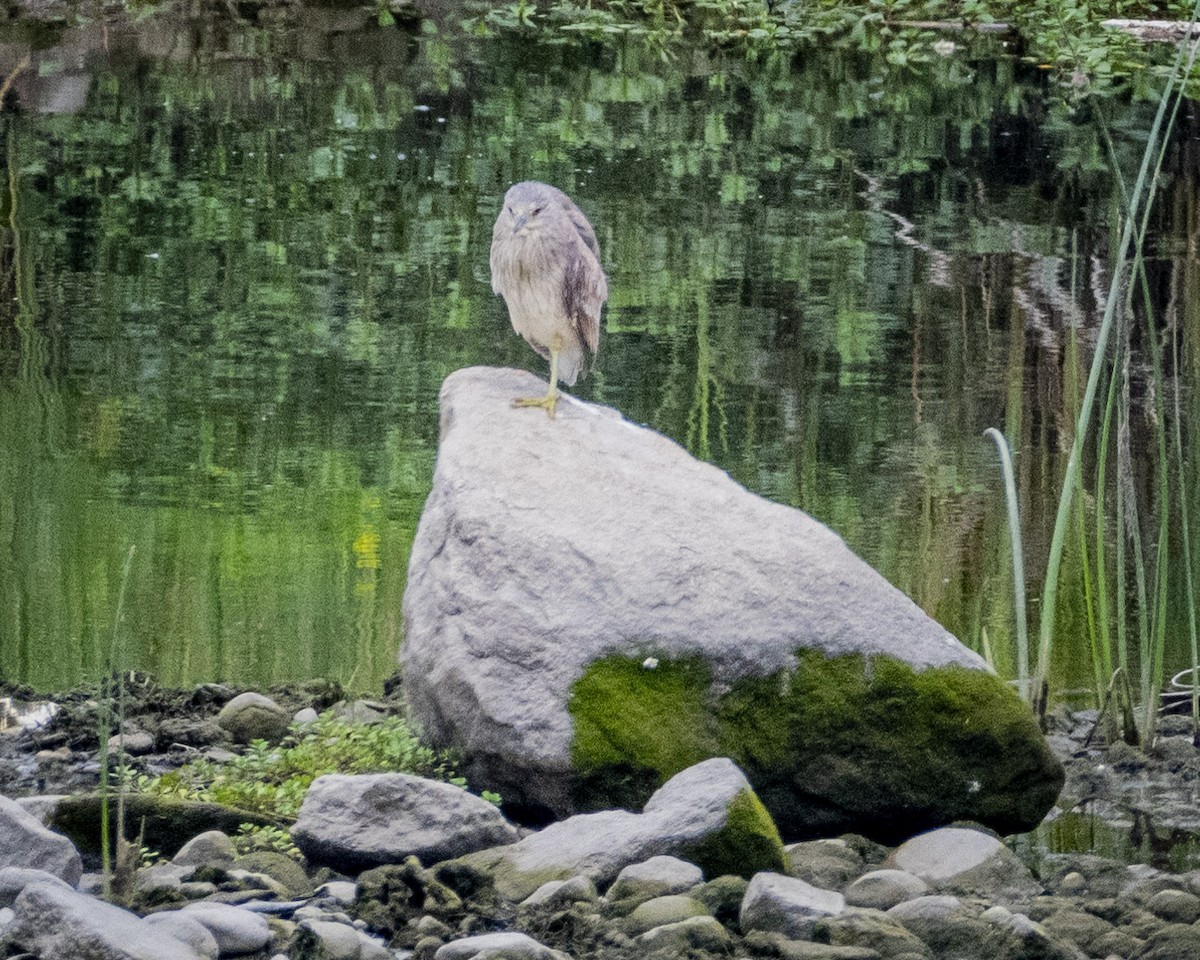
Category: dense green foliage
[1066,35]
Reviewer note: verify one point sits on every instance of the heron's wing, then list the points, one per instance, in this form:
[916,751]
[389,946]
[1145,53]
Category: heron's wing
[582,226]
[585,288]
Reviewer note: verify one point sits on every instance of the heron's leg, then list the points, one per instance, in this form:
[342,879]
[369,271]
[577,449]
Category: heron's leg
[550,400]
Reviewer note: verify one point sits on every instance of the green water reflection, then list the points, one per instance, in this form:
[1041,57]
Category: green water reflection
[236,267]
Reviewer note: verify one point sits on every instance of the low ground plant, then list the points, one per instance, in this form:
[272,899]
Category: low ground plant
[274,779]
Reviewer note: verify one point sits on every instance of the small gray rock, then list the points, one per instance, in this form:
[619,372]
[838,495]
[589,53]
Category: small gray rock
[576,890]
[694,933]
[873,929]
[829,864]
[136,743]
[780,904]
[691,807]
[340,891]
[1018,936]
[235,930]
[1101,876]
[251,716]
[963,861]
[333,941]
[161,876]
[359,822]
[1083,929]
[429,926]
[883,889]
[657,877]
[1175,906]
[947,927]
[209,849]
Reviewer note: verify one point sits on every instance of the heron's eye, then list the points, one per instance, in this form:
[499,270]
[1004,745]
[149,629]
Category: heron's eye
[536,210]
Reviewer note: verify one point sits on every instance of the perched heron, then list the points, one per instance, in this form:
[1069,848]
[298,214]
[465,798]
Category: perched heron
[546,266]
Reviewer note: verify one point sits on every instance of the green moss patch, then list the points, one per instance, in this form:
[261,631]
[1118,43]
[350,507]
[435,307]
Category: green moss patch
[635,728]
[749,842]
[839,744]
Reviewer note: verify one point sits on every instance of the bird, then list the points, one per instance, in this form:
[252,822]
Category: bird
[545,263]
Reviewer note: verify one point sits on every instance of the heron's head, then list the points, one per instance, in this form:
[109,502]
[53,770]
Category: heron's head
[525,206]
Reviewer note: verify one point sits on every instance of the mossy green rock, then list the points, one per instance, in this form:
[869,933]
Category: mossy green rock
[839,744]
[707,815]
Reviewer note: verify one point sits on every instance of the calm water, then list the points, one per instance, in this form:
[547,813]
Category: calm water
[236,267]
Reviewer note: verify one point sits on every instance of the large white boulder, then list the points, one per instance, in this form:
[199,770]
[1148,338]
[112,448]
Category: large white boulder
[590,610]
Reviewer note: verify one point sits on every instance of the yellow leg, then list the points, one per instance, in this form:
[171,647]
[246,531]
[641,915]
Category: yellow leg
[550,400]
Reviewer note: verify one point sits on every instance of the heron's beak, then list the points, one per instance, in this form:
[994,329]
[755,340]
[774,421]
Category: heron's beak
[520,222]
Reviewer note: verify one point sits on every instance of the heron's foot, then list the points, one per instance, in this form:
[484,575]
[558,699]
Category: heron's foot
[549,401]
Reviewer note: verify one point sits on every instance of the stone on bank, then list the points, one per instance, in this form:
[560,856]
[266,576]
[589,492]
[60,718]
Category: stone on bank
[590,610]
[357,822]
[707,815]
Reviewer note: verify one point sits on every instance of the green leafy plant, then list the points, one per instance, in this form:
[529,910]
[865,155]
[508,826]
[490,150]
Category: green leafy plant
[251,839]
[274,779]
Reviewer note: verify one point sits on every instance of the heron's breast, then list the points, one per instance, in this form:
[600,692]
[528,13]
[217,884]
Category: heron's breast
[532,287]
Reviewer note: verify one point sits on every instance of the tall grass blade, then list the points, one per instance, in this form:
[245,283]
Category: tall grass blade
[1018,559]
[115,667]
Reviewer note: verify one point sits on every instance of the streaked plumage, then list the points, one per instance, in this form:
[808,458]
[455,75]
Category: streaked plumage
[546,265]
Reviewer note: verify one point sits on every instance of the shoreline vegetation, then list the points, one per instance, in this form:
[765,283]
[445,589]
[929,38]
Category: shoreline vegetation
[1086,41]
